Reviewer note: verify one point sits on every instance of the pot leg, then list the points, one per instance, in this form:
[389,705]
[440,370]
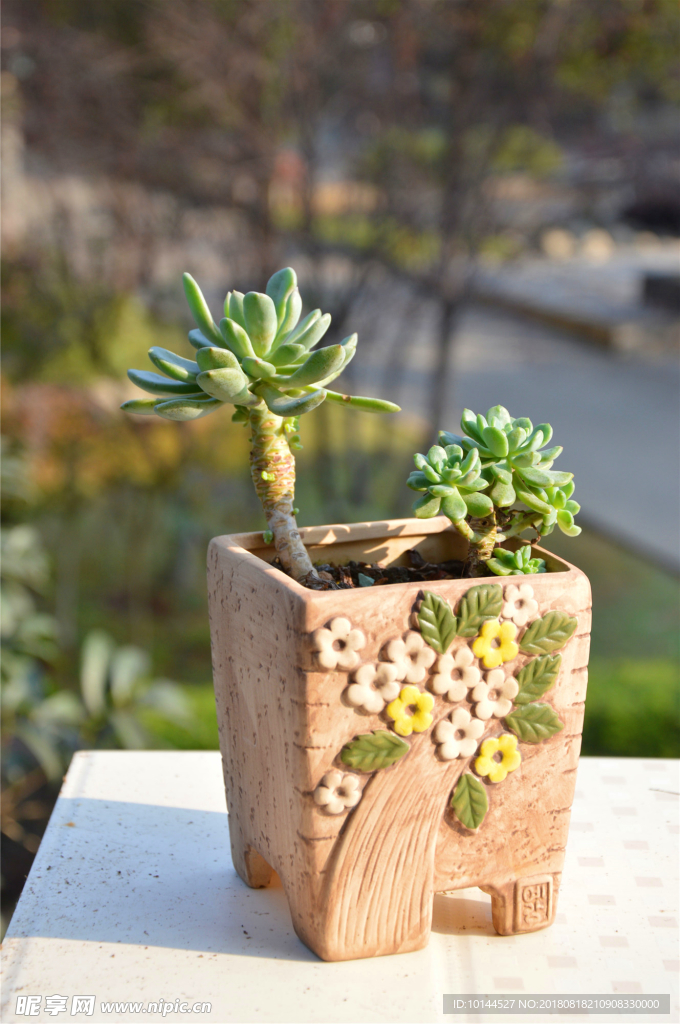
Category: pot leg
[523,904]
[250,865]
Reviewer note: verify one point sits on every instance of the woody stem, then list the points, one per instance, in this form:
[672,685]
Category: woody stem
[272,468]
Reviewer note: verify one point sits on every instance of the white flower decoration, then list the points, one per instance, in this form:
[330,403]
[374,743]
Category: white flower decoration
[411,657]
[494,697]
[374,686]
[520,605]
[336,646]
[455,674]
[337,792]
[457,737]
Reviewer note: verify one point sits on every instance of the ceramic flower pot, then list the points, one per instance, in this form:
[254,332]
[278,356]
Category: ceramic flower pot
[386,743]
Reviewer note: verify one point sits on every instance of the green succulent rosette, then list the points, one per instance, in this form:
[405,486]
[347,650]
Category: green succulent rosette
[451,482]
[515,563]
[260,352]
[518,467]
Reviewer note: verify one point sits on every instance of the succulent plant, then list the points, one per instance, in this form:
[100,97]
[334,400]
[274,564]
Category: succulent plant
[477,478]
[452,483]
[260,363]
[515,563]
[259,355]
[555,506]
[510,451]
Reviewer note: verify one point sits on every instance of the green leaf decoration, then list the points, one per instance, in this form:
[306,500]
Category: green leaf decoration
[478,605]
[373,750]
[534,722]
[549,633]
[470,801]
[537,677]
[437,622]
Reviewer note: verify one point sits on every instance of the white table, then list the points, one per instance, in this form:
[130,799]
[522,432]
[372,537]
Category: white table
[133,896]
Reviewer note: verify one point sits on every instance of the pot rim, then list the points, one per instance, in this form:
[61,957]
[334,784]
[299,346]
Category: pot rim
[246,544]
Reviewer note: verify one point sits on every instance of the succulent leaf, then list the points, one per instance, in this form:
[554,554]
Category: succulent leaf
[287,354]
[305,332]
[319,364]
[291,314]
[360,402]
[212,358]
[235,311]
[496,441]
[261,322]
[227,385]
[446,439]
[426,506]
[453,506]
[286,405]
[478,505]
[173,365]
[498,416]
[187,408]
[199,309]
[157,385]
[417,481]
[279,288]
[258,368]
[198,339]
[236,338]
[532,501]
[468,422]
[140,406]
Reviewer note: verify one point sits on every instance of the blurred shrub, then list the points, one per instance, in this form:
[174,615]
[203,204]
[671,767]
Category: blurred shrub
[633,708]
[45,716]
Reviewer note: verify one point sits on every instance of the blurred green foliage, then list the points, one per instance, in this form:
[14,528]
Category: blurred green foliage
[633,703]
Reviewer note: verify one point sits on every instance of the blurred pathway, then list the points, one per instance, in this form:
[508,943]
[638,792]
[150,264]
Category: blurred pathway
[617,416]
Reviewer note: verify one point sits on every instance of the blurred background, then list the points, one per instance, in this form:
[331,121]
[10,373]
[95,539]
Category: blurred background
[486,190]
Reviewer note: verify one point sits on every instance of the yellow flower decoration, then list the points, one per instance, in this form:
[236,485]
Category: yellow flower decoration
[420,720]
[497,770]
[483,647]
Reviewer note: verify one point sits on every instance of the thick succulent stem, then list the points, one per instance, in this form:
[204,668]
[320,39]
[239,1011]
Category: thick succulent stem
[272,467]
[481,535]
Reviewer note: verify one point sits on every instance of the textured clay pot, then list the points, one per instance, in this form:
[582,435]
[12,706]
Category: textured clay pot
[361,850]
